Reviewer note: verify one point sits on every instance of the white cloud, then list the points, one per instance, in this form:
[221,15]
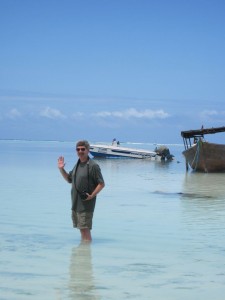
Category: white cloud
[78,115]
[51,113]
[209,113]
[212,115]
[14,113]
[134,113]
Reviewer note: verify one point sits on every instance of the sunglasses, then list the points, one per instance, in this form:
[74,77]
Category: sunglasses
[81,149]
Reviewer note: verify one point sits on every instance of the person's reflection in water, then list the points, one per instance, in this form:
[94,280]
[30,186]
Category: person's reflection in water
[81,284]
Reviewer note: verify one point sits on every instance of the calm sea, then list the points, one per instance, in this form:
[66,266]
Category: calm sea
[158,231]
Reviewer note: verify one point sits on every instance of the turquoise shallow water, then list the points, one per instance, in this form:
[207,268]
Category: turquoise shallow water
[158,231]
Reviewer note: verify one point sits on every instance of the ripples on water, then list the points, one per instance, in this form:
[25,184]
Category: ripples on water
[158,231]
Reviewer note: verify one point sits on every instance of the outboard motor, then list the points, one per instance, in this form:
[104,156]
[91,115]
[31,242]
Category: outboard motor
[164,152]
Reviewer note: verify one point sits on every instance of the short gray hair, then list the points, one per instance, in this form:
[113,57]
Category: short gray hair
[83,143]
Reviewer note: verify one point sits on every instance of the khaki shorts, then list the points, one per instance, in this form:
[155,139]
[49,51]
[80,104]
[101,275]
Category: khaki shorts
[82,220]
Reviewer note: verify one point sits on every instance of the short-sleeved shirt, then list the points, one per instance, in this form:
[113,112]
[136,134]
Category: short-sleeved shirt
[84,177]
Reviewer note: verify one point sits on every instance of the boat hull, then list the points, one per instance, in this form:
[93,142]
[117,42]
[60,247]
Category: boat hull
[120,152]
[206,157]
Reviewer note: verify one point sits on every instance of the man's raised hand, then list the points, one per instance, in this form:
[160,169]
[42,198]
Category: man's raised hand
[61,163]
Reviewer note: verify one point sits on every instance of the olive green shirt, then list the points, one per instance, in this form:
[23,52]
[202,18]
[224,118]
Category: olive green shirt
[84,177]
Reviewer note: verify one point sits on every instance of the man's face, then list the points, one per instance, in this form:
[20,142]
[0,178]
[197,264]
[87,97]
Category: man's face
[82,152]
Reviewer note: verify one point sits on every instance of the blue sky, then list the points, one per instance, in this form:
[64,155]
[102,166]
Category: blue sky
[138,70]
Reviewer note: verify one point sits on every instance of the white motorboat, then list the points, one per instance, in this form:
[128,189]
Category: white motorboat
[117,151]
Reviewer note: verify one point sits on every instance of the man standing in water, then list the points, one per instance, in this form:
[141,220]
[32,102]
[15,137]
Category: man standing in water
[87,181]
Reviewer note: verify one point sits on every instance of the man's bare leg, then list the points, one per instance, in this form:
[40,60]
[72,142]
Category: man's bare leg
[86,235]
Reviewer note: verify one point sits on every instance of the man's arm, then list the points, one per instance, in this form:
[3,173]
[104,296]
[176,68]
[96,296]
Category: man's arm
[61,165]
[98,189]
